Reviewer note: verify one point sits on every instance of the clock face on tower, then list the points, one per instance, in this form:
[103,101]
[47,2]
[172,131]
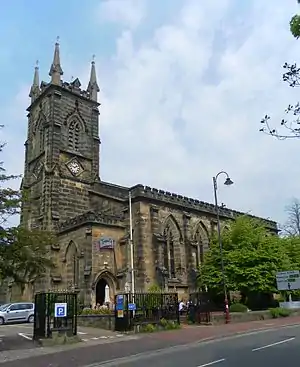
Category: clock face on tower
[74,167]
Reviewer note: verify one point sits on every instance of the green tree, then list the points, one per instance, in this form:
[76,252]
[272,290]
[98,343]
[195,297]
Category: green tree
[295,24]
[24,253]
[251,257]
[287,127]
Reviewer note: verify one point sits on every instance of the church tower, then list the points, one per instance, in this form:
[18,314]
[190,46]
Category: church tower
[62,147]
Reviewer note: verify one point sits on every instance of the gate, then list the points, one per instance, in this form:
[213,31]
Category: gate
[144,308]
[200,308]
[45,320]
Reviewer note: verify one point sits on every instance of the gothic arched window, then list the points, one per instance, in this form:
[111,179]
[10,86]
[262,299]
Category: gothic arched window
[72,264]
[74,135]
[39,132]
[172,237]
[41,138]
[200,243]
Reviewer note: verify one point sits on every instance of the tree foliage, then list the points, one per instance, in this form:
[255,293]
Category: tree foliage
[24,253]
[288,127]
[251,256]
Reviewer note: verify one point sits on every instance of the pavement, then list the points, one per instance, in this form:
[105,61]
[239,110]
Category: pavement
[19,336]
[225,345]
[277,349]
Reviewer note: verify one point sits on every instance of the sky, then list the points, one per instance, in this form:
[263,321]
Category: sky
[184,85]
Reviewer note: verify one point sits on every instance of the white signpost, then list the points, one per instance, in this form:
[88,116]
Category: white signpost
[288,280]
[60,310]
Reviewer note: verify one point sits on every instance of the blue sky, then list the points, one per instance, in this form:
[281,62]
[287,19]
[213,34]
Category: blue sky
[184,84]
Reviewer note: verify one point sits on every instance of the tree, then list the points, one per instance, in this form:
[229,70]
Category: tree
[292,226]
[24,253]
[287,128]
[295,24]
[251,256]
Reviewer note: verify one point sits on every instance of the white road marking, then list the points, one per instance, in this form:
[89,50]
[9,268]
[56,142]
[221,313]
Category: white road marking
[273,344]
[119,335]
[95,338]
[18,326]
[103,337]
[213,362]
[25,336]
[81,333]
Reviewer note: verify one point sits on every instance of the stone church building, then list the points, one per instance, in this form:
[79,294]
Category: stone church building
[170,232]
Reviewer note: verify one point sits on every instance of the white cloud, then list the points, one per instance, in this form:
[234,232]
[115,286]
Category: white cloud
[185,101]
[165,125]
[129,13]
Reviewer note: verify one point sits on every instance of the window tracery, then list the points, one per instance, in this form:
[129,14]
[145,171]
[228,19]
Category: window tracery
[74,135]
[171,236]
[200,242]
[72,264]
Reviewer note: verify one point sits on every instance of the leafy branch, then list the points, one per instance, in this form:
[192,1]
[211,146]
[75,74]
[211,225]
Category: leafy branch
[291,127]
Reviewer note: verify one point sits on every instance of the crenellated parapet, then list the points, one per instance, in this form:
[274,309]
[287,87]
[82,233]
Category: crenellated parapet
[193,204]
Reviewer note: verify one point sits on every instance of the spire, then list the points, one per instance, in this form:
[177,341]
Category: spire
[35,88]
[56,70]
[93,87]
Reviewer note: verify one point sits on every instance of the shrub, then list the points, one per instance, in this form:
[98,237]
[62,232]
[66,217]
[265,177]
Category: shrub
[149,328]
[279,312]
[169,325]
[100,311]
[238,307]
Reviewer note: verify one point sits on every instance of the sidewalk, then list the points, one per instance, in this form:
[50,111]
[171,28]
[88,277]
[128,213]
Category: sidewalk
[193,333]
[85,354]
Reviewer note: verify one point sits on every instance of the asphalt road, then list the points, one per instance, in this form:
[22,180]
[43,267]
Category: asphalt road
[276,348]
[19,336]
[14,337]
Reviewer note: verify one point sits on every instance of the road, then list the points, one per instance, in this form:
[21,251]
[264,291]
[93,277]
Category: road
[276,347]
[19,336]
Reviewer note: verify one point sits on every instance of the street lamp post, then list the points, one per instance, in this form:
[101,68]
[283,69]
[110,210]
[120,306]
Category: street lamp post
[227,183]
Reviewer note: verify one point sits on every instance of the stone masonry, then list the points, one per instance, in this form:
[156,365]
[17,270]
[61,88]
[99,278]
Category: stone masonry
[61,175]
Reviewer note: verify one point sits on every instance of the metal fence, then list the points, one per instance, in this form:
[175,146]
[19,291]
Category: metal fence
[45,322]
[200,308]
[144,308]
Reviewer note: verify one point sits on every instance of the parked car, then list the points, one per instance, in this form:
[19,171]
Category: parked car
[17,312]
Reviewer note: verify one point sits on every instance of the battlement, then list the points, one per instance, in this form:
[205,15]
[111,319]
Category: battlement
[175,199]
[73,87]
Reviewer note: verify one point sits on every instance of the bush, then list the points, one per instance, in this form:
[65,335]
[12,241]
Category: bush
[238,307]
[169,325]
[100,311]
[149,328]
[279,312]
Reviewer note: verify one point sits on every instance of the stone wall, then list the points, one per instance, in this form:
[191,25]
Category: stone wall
[106,322]
[236,317]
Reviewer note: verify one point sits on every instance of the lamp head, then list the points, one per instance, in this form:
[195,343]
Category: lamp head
[228,182]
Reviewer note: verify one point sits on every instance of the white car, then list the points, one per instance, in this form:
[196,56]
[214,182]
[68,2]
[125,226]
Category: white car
[17,312]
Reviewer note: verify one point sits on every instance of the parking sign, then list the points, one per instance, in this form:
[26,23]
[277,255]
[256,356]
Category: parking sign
[60,310]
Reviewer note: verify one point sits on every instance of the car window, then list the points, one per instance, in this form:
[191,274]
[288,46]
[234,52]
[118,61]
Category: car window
[4,307]
[16,307]
[28,306]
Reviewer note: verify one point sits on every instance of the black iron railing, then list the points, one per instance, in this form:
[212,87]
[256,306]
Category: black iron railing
[45,322]
[145,308]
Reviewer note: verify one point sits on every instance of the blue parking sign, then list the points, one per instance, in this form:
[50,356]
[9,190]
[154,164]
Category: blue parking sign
[60,310]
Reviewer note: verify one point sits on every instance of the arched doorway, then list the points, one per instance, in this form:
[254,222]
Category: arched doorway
[100,291]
